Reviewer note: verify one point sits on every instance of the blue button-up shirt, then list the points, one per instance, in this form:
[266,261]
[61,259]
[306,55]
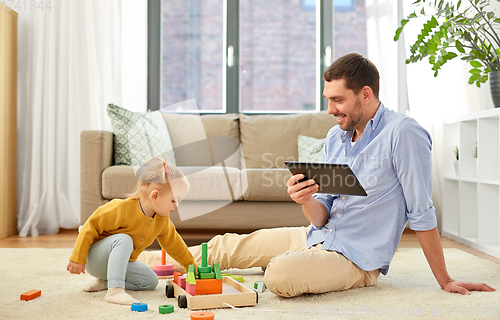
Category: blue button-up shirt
[392,160]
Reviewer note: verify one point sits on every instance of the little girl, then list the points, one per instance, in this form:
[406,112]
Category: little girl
[116,233]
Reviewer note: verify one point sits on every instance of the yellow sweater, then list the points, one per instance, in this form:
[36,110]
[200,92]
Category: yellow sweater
[123,216]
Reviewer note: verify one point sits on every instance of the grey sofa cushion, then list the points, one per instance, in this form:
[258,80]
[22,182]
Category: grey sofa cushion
[206,183]
[210,183]
[265,184]
[269,140]
[200,141]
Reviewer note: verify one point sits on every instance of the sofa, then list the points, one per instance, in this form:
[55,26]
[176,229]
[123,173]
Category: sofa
[234,163]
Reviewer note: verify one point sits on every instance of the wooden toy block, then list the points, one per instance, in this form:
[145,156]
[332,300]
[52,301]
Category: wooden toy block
[204,254]
[164,269]
[202,316]
[139,307]
[259,286]
[209,275]
[227,274]
[166,309]
[191,278]
[30,295]
[208,286]
[218,274]
[237,278]
[182,282]
[206,269]
[191,289]
[176,276]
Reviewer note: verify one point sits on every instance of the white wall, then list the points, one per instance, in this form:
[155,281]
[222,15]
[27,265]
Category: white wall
[434,99]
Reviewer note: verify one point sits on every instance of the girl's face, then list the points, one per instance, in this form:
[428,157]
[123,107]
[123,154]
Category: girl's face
[165,202]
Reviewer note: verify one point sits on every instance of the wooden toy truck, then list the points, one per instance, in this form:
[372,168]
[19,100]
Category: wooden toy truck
[207,289]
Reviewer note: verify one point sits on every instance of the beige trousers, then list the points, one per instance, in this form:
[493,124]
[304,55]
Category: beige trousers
[292,268]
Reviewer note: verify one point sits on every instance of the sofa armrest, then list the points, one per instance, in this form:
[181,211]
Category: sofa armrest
[96,154]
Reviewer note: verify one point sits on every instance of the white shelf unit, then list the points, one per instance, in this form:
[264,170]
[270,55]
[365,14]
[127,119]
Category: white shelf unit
[471,194]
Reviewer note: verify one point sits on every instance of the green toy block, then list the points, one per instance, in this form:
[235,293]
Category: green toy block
[227,274]
[191,278]
[260,286]
[206,269]
[237,278]
[218,274]
[204,254]
[209,275]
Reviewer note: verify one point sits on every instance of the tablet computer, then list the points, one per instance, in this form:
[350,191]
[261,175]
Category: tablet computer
[331,178]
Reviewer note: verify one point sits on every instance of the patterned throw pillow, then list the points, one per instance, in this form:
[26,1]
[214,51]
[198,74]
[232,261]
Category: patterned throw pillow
[310,149]
[139,136]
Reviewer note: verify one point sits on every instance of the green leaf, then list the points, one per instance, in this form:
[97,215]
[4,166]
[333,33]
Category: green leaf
[398,32]
[475,71]
[433,21]
[459,3]
[450,55]
[476,64]
[459,46]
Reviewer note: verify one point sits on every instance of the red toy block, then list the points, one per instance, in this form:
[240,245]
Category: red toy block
[182,282]
[191,288]
[176,275]
[30,295]
[208,286]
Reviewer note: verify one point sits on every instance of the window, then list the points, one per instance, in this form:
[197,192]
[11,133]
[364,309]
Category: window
[250,56]
[192,54]
[277,56]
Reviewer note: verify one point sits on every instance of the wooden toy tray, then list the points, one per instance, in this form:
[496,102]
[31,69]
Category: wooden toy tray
[233,293]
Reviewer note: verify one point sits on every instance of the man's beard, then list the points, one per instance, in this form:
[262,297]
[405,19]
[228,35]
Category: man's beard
[352,121]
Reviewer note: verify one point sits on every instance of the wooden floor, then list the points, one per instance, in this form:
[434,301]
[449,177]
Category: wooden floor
[66,239]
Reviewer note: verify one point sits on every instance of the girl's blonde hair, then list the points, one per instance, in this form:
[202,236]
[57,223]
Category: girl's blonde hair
[156,171]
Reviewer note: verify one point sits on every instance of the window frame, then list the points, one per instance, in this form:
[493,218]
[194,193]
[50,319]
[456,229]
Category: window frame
[231,79]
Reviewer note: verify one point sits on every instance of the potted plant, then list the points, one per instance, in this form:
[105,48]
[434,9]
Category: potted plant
[455,162]
[458,30]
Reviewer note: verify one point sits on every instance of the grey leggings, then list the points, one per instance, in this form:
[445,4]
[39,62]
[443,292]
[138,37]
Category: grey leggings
[108,259]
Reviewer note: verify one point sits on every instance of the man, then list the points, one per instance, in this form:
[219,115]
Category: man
[351,239]
[392,154]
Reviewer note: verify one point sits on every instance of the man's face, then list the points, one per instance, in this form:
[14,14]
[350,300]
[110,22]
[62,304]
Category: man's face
[343,104]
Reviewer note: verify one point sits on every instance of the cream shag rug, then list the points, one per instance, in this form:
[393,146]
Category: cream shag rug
[408,291]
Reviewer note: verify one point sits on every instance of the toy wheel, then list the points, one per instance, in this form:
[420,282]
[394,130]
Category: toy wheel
[256,296]
[169,291]
[183,303]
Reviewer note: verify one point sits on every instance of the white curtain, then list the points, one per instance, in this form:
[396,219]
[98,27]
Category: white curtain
[69,70]
[383,51]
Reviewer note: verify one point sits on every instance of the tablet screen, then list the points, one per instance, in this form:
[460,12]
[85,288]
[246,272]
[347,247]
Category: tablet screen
[331,178]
